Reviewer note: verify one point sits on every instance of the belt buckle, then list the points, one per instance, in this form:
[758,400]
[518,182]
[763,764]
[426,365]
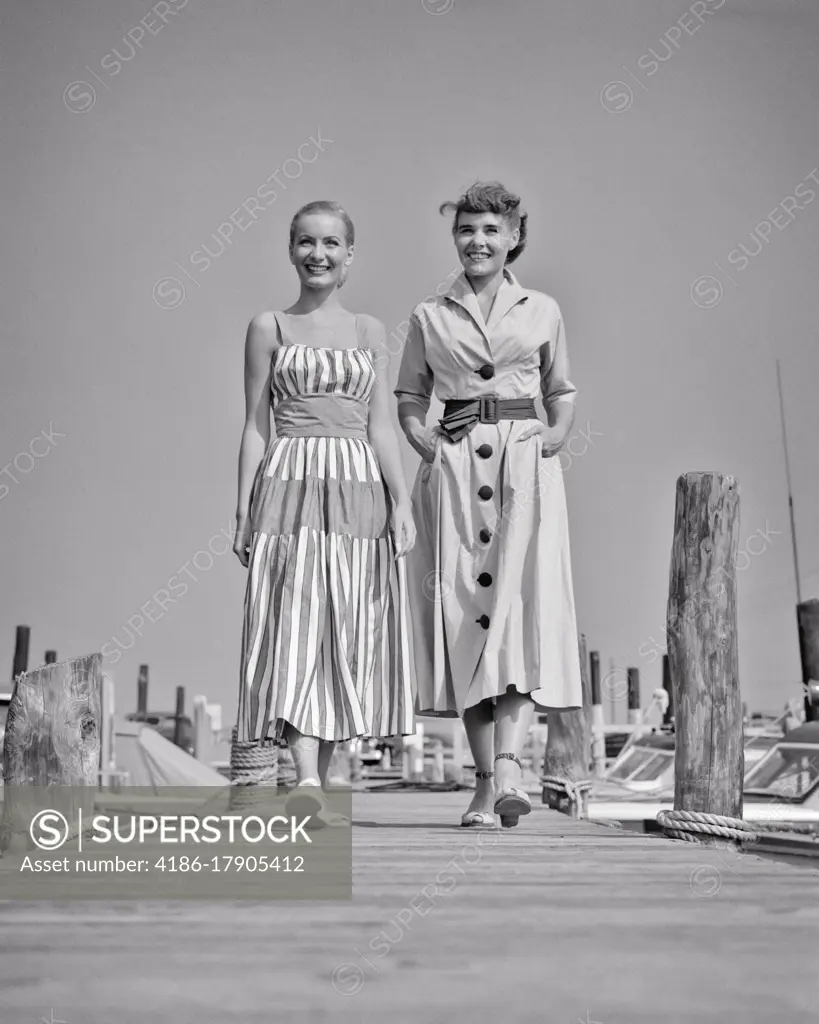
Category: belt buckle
[488,409]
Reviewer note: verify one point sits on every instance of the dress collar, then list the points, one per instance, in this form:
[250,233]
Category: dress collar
[509,294]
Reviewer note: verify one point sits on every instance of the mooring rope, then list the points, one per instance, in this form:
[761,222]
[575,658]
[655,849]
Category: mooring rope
[254,763]
[567,787]
[691,826]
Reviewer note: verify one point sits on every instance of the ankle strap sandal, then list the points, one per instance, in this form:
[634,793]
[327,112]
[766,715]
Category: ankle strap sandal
[511,757]
[511,803]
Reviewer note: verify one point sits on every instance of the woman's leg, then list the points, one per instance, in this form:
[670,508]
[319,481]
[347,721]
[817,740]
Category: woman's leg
[305,750]
[325,758]
[513,717]
[312,757]
[479,723]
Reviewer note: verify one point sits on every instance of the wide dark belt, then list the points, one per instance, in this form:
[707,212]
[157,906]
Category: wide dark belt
[461,415]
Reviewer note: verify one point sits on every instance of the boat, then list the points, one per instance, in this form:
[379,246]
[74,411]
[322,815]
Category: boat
[780,786]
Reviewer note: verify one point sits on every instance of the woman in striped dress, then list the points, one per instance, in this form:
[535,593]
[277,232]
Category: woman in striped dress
[323,518]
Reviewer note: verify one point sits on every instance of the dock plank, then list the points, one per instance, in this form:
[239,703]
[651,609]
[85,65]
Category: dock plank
[555,921]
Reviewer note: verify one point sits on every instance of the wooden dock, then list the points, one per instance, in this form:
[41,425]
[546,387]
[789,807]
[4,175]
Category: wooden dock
[558,921]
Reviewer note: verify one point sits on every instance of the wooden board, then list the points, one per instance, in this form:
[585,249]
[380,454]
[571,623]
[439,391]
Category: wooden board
[556,922]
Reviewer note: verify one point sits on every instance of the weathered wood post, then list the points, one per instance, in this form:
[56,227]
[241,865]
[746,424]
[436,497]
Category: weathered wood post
[702,646]
[201,728]
[598,726]
[179,715]
[807,616]
[142,690]
[668,686]
[52,740]
[50,657]
[413,765]
[21,642]
[437,761]
[354,761]
[633,694]
[585,683]
[397,743]
[613,691]
[107,730]
[565,780]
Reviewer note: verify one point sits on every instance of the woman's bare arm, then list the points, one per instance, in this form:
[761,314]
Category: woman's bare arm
[260,344]
[380,429]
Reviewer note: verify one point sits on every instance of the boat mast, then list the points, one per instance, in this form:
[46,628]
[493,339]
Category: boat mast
[790,494]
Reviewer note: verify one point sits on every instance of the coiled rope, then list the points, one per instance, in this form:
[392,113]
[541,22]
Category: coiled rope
[254,763]
[566,787]
[691,826]
[254,769]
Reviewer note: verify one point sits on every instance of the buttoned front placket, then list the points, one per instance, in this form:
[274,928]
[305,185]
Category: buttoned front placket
[509,295]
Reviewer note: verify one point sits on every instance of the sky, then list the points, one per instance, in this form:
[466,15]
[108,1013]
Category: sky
[664,153]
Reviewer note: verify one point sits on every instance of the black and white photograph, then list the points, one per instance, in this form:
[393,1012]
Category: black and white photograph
[409,511]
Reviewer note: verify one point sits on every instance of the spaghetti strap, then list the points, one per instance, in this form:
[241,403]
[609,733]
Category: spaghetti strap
[362,336]
[282,336]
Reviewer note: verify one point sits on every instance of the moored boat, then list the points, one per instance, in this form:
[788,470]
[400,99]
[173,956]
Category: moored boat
[781,786]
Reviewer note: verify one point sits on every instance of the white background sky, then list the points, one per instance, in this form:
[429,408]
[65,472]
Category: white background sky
[628,206]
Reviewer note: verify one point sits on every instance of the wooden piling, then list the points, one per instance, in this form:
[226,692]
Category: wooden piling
[50,657]
[437,761]
[356,768]
[566,761]
[397,743]
[52,740]
[586,689]
[598,720]
[107,730]
[668,686]
[807,616]
[21,642]
[180,714]
[702,646]
[585,677]
[413,763]
[633,693]
[142,690]
[201,728]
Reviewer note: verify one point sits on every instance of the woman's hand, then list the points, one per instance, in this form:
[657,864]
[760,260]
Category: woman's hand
[403,529]
[424,441]
[241,542]
[551,439]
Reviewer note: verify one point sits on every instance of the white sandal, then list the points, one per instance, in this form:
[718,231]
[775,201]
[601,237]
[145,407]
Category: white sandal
[309,800]
[479,819]
[511,803]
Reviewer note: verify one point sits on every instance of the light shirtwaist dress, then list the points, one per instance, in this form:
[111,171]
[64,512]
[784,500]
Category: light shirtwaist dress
[491,596]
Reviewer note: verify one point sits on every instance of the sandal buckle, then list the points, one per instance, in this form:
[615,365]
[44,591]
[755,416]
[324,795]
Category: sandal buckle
[511,757]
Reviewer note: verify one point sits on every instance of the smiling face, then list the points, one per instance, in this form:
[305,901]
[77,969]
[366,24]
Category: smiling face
[483,241]
[320,251]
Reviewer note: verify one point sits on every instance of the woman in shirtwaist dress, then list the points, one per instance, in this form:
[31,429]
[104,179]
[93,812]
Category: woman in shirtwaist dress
[490,580]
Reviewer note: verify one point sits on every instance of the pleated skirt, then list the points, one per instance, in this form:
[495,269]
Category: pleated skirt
[325,641]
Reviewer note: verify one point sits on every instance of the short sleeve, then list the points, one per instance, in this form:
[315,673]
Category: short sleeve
[555,383]
[415,379]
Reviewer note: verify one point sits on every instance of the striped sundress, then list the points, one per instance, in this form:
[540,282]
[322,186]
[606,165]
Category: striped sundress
[325,643]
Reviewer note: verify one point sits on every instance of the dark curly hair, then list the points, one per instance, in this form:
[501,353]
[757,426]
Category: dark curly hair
[491,197]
